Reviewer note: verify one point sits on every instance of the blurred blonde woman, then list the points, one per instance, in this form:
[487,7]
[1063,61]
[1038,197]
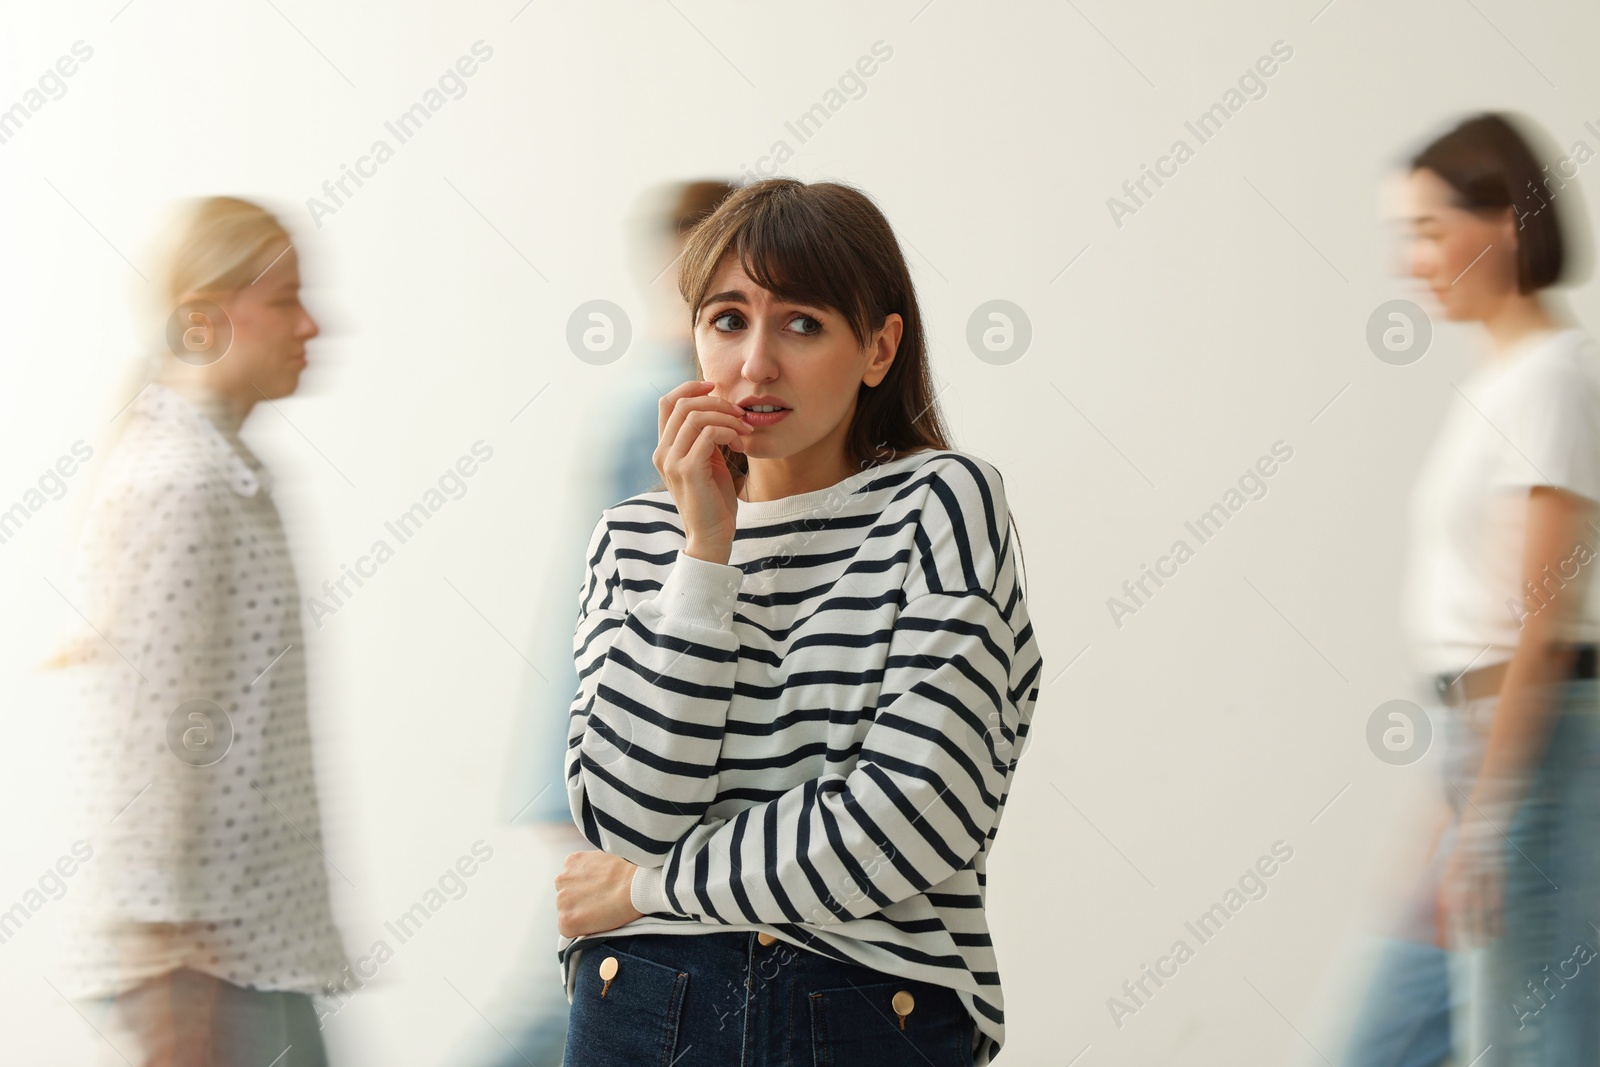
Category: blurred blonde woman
[210,925]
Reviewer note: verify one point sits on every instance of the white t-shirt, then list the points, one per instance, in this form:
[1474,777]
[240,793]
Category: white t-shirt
[1529,416]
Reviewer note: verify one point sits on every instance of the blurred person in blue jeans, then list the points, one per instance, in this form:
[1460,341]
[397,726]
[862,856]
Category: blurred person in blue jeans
[1494,964]
[536,1010]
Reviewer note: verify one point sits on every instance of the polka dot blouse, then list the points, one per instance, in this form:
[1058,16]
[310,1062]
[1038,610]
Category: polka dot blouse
[189,689]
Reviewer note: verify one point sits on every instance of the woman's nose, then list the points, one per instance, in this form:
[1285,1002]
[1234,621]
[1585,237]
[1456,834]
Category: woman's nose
[1419,261]
[758,361]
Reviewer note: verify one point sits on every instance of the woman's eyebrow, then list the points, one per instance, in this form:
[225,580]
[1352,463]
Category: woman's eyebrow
[737,296]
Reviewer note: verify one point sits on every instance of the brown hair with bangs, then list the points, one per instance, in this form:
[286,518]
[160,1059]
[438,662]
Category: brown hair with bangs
[827,245]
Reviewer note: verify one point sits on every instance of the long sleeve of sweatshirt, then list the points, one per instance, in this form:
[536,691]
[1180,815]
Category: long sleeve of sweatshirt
[653,690]
[929,779]
[817,739]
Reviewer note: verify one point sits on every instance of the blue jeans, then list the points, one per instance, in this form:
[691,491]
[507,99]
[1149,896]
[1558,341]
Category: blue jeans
[1405,1017]
[1531,996]
[1533,993]
[724,999]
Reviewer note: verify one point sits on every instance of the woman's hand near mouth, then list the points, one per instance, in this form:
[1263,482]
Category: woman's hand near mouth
[693,422]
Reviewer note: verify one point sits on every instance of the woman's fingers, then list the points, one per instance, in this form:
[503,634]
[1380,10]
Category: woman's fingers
[1470,905]
[670,400]
[687,398]
[706,442]
[592,894]
[681,407]
[682,427]
[670,419]
[697,423]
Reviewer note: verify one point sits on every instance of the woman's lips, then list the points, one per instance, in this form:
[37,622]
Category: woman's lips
[765,418]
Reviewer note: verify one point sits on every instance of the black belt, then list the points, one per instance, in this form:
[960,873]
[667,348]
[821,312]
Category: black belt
[1485,681]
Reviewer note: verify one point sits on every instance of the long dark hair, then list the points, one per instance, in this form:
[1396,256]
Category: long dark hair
[828,245]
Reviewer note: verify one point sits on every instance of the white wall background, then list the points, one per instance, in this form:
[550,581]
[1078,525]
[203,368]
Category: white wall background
[1228,313]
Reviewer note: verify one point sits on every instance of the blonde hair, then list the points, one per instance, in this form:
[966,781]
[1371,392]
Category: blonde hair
[210,246]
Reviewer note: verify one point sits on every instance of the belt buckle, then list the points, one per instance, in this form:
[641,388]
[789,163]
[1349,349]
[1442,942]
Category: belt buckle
[1478,714]
[1447,689]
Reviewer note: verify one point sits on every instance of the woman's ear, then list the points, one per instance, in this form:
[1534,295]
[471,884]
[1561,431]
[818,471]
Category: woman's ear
[1508,228]
[885,345]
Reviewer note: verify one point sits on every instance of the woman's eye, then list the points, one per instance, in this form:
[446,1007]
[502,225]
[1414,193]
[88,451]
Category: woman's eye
[734,315]
[816,327]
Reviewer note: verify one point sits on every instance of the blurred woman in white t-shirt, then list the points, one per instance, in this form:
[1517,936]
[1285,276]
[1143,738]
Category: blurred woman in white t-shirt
[1504,541]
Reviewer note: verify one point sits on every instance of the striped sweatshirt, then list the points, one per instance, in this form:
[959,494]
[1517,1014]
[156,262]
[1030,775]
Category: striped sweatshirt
[816,739]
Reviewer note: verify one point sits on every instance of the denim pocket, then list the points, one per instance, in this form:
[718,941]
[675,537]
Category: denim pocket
[858,1024]
[635,1022]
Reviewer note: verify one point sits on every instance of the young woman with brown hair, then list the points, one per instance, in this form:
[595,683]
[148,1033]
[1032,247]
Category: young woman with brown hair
[1496,965]
[806,672]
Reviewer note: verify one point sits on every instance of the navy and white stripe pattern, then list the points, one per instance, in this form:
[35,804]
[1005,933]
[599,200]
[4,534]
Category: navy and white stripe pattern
[815,740]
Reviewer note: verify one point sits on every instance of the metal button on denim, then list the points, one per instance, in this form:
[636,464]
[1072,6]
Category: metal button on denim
[903,1003]
[807,1009]
[608,968]
[765,939]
